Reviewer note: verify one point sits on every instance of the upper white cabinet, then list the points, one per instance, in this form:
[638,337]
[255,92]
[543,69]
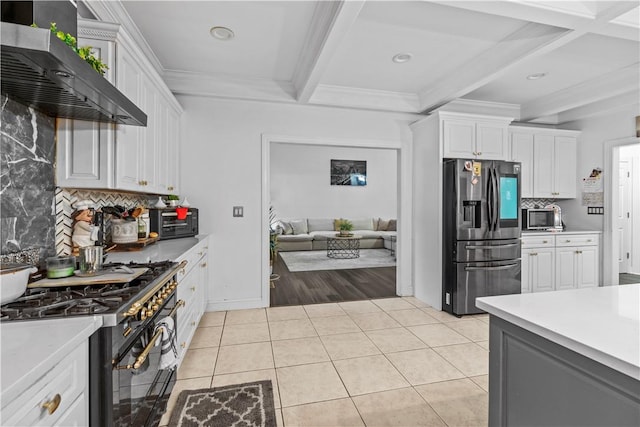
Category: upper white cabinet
[132,158]
[548,158]
[474,136]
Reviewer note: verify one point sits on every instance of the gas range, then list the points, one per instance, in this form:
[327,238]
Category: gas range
[111,301]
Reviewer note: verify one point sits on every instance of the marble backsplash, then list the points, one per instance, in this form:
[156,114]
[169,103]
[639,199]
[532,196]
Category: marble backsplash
[27,179]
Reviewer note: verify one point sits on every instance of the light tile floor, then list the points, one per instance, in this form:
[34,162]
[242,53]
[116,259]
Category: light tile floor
[383,362]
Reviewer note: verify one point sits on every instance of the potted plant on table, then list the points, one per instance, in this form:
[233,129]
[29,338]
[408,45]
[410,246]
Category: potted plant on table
[173,200]
[345,227]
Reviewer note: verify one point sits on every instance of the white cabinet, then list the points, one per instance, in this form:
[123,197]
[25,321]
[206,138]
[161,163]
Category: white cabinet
[548,158]
[538,263]
[474,136]
[557,262]
[578,261]
[192,289]
[522,151]
[122,157]
[59,397]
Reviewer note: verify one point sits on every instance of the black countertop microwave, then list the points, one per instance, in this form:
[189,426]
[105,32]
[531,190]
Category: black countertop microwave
[165,222]
[541,219]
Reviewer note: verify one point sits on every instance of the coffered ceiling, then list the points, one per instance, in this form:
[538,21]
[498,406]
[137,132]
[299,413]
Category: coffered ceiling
[339,53]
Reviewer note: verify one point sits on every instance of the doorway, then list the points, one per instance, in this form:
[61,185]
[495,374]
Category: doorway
[621,259]
[403,283]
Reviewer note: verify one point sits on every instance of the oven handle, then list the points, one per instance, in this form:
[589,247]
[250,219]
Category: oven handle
[143,356]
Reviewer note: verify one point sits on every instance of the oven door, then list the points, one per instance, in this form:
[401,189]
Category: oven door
[142,394]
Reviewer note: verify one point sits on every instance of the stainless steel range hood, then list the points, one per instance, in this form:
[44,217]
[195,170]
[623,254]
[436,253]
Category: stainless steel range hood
[40,70]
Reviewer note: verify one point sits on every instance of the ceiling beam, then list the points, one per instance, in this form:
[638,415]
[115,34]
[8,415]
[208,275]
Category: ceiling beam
[604,106]
[603,87]
[530,41]
[332,20]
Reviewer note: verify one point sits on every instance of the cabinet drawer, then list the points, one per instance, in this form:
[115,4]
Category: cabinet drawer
[538,241]
[67,379]
[577,240]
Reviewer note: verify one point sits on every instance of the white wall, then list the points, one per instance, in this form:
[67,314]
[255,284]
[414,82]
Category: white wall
[300,183]
[221,163]
[594,132]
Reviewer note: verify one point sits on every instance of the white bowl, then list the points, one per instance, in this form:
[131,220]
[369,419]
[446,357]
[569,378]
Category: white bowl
[13,281]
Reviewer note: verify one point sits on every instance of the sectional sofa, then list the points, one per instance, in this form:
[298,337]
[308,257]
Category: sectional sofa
[307,234]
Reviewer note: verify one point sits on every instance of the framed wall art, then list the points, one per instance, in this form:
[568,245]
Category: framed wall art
[349,172]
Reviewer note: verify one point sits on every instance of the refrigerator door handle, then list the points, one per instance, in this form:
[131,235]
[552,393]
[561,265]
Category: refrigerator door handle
[489,200]
[499,267]
[496,199]
[508,245]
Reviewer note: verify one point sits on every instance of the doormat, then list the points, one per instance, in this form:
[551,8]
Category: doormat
[248,404]
[318,260]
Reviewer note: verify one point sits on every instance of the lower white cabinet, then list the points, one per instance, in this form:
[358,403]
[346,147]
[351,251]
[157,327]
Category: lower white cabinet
[192,289]
[58,398]
[557,262]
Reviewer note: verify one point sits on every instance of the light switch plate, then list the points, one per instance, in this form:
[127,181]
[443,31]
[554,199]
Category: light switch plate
[238,211]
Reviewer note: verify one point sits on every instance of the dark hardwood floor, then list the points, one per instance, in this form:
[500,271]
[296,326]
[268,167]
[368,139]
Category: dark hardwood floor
[314,287]
[627,279]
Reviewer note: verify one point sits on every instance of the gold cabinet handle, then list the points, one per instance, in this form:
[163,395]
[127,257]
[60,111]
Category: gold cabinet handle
[567,241]
[170,187]
[204,264]
[52,405]
[193,323]
[193,288]
[183,345]
[545,241]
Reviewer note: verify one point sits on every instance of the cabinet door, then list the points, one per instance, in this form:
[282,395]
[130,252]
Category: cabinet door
[459,138]
[491,141]
[84,149]
[566,270]
[149,158]
[522,151]
[173,151]
[543,268]
[128,142]
[526,278]
[564,170]
[587,266]
[543,163]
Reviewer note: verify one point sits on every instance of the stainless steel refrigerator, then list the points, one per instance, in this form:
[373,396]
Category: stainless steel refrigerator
[481,232]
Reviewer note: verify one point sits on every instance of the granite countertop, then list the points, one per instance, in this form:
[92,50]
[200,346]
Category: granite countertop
[31,348]
[160,251]
[600,323]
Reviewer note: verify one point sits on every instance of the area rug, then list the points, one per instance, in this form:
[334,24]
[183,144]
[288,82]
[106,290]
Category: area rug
[318,260]
[246,405]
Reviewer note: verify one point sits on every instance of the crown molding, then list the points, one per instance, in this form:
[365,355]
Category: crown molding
[225,86]
[114,11]
[473,106]
[603,87]
[92,29]
[365,98]
[330,24]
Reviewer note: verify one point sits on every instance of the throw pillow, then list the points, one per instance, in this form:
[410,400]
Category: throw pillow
[336,224]
[299,226]
[392,225]
[383,225]
[286,227]
[362,224]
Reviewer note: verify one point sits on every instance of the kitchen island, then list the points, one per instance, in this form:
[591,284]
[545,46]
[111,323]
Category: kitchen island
[565,358]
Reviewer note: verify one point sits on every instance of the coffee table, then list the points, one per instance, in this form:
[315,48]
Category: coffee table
[343,247]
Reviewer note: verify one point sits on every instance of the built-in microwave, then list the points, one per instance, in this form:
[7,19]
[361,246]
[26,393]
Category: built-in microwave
[541,219]
[169,225]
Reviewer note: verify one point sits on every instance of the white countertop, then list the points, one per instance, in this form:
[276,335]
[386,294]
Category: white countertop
[567,231]
[162,250]
[30,348]
[600,323]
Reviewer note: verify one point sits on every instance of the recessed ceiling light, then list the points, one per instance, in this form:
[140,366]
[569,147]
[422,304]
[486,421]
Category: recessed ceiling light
[401,57]
[221,33]
[536,76]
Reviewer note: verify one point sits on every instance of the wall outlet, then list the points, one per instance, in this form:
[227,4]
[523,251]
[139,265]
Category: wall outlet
[238,211]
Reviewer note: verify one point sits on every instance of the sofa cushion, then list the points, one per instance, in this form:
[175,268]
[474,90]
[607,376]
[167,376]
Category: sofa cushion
[362,224]
[320,224]
[392,225]
[322,235]
[285,226]
[367,234]
[299,226]
[383,224]
[295,238]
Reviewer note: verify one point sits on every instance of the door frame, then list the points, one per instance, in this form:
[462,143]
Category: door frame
[610,238]
[404,250]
